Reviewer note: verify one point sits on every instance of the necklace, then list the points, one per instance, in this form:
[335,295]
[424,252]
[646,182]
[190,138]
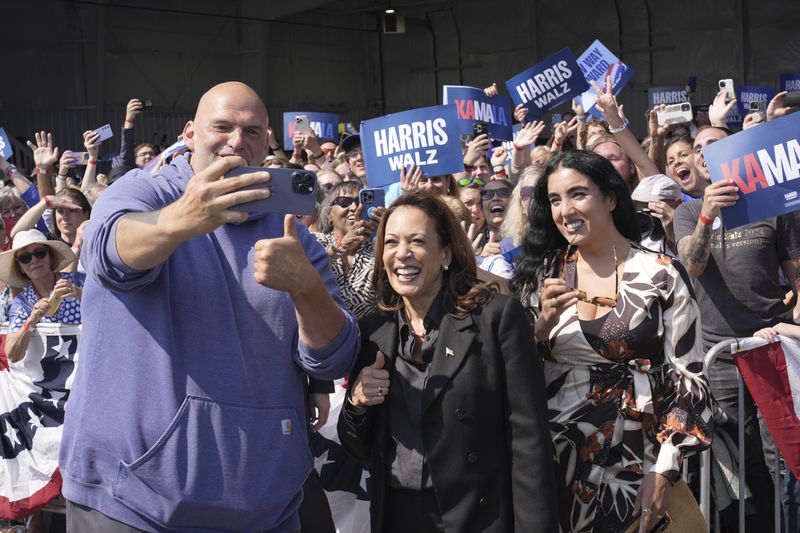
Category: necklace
[603,301]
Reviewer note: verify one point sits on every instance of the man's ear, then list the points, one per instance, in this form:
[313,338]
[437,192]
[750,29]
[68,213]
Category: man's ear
[188,135]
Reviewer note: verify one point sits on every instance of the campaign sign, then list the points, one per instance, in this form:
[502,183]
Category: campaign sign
[764,162]
[596,63]
[666,96]
[5,145]
[174,149]
[546,85]
[751,93]
[426,137]
[790,82]
[474,106]
[324,125]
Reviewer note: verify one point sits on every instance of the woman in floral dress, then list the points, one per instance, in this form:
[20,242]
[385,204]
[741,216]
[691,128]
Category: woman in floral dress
[620,332]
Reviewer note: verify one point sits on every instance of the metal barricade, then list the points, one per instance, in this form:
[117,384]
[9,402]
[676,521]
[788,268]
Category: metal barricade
[705,458]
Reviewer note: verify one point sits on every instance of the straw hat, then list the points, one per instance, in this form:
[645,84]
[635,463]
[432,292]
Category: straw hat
[60,254]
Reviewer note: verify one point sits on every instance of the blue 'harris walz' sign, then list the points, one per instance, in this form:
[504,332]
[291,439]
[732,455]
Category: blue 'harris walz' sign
[764,163]
[325,125]
[474,106]
[666,96]
[790,82]
[548,84]
[426,137]
[751,93]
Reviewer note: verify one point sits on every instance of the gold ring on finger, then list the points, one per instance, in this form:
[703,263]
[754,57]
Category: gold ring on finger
[647,511]
[555,303]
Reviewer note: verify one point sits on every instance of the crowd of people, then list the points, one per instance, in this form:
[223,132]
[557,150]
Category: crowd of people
[522,343]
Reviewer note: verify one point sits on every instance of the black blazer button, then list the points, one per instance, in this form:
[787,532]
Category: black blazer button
[483,501]
[472,457]
[461,414]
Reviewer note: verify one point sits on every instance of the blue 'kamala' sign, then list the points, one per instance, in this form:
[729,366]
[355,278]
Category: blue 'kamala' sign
[548,84]
[325,125]
[426,137]
[473,106]
[764,163]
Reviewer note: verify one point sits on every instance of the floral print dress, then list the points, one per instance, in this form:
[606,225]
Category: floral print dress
[626,393]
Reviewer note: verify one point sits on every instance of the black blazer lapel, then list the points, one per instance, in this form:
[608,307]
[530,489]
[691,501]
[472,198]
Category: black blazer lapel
[455,338]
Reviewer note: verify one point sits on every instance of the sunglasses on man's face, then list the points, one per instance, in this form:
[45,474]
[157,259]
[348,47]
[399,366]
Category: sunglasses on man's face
[39,253]
[488,194]
[466,182]
[345,201]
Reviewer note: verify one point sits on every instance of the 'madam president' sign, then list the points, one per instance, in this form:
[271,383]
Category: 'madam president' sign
[764,162]
[545,86]
[427,138]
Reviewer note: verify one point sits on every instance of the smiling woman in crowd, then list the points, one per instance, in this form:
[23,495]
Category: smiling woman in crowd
[446,400]
[618,327]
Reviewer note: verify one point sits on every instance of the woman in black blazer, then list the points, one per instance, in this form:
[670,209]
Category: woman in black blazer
[446,402]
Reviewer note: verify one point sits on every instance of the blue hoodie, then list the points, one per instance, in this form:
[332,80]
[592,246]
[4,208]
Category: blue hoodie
[187,411]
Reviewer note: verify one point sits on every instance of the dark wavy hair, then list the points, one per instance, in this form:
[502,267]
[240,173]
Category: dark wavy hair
[543,238]
[79,198]
[463,291]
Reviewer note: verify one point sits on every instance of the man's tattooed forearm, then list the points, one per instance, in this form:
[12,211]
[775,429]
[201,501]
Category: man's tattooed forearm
[698,246]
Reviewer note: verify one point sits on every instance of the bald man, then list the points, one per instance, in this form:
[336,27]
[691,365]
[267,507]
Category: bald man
[187,412]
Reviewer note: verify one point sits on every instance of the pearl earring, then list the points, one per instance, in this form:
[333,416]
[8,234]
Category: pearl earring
[445,267]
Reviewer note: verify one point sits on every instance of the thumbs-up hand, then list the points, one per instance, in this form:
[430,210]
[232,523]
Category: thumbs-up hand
[371,386]
[281,263]
[492,247]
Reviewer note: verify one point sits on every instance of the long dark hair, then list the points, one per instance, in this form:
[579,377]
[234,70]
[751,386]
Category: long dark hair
[463,292]
[79,198]
[543,238]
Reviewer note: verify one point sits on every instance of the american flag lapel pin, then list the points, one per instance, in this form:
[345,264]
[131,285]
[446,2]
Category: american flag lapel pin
[448,352]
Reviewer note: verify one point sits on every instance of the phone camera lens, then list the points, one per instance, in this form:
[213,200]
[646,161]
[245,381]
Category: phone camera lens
[721,85]
[685,107]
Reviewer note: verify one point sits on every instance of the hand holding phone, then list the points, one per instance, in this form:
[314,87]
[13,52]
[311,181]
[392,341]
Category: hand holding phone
[291,191]
[105,133]
[370,199]
[674,114]
[727,86]
[479,128]
[303,125]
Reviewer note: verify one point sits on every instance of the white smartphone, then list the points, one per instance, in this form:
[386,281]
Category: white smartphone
[727,86]
[303,126]
[105,132]
[674,114]
[81,159]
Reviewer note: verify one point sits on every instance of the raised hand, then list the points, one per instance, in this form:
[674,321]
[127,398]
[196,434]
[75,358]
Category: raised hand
[477,149]
[409,179]
[133,108]
[499,157]
[520,112]
[719,109]
[776,109]
[281,263]
[529,133]
[607,104]
[491,90]
[68,160]
[45,154]
[92,144]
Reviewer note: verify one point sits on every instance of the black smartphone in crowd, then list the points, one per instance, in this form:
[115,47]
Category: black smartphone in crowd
[792,100]
[147,104]
[293,191]
[479,128]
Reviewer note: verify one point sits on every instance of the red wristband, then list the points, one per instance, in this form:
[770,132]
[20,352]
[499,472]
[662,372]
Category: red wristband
[25,327]
[128,121]
[40,170]
[502,174]
[93,161]
[705,220]
[47,202]
[517,148]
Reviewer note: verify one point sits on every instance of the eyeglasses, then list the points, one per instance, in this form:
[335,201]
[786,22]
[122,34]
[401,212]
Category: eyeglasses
[39,253]
[353,154]
[345,201]
[466,182]
[526,192]
[600,301]
[488,194]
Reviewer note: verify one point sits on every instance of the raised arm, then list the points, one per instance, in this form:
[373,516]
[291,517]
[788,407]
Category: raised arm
[45,155]
[90,141]
[607,105]
[127,156]
[657,152]
[695,249]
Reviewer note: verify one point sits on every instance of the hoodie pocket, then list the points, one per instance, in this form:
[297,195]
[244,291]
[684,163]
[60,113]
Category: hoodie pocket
[220,465]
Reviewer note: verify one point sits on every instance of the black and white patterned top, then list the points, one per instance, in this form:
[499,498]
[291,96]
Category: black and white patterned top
[355,285]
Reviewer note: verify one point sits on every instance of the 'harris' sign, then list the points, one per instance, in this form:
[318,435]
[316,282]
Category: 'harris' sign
[548,84]
[790,82]
[426,137]
[325,126]
[764,162]
[666,96]
[473,106]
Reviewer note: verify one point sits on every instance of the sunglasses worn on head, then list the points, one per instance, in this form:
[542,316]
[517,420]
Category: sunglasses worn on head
[466,182]
[39,253]
[345,201]
[488,194]
[600,301]
[526,192]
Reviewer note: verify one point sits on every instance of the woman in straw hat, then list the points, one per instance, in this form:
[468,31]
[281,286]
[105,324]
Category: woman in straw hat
[34,263]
